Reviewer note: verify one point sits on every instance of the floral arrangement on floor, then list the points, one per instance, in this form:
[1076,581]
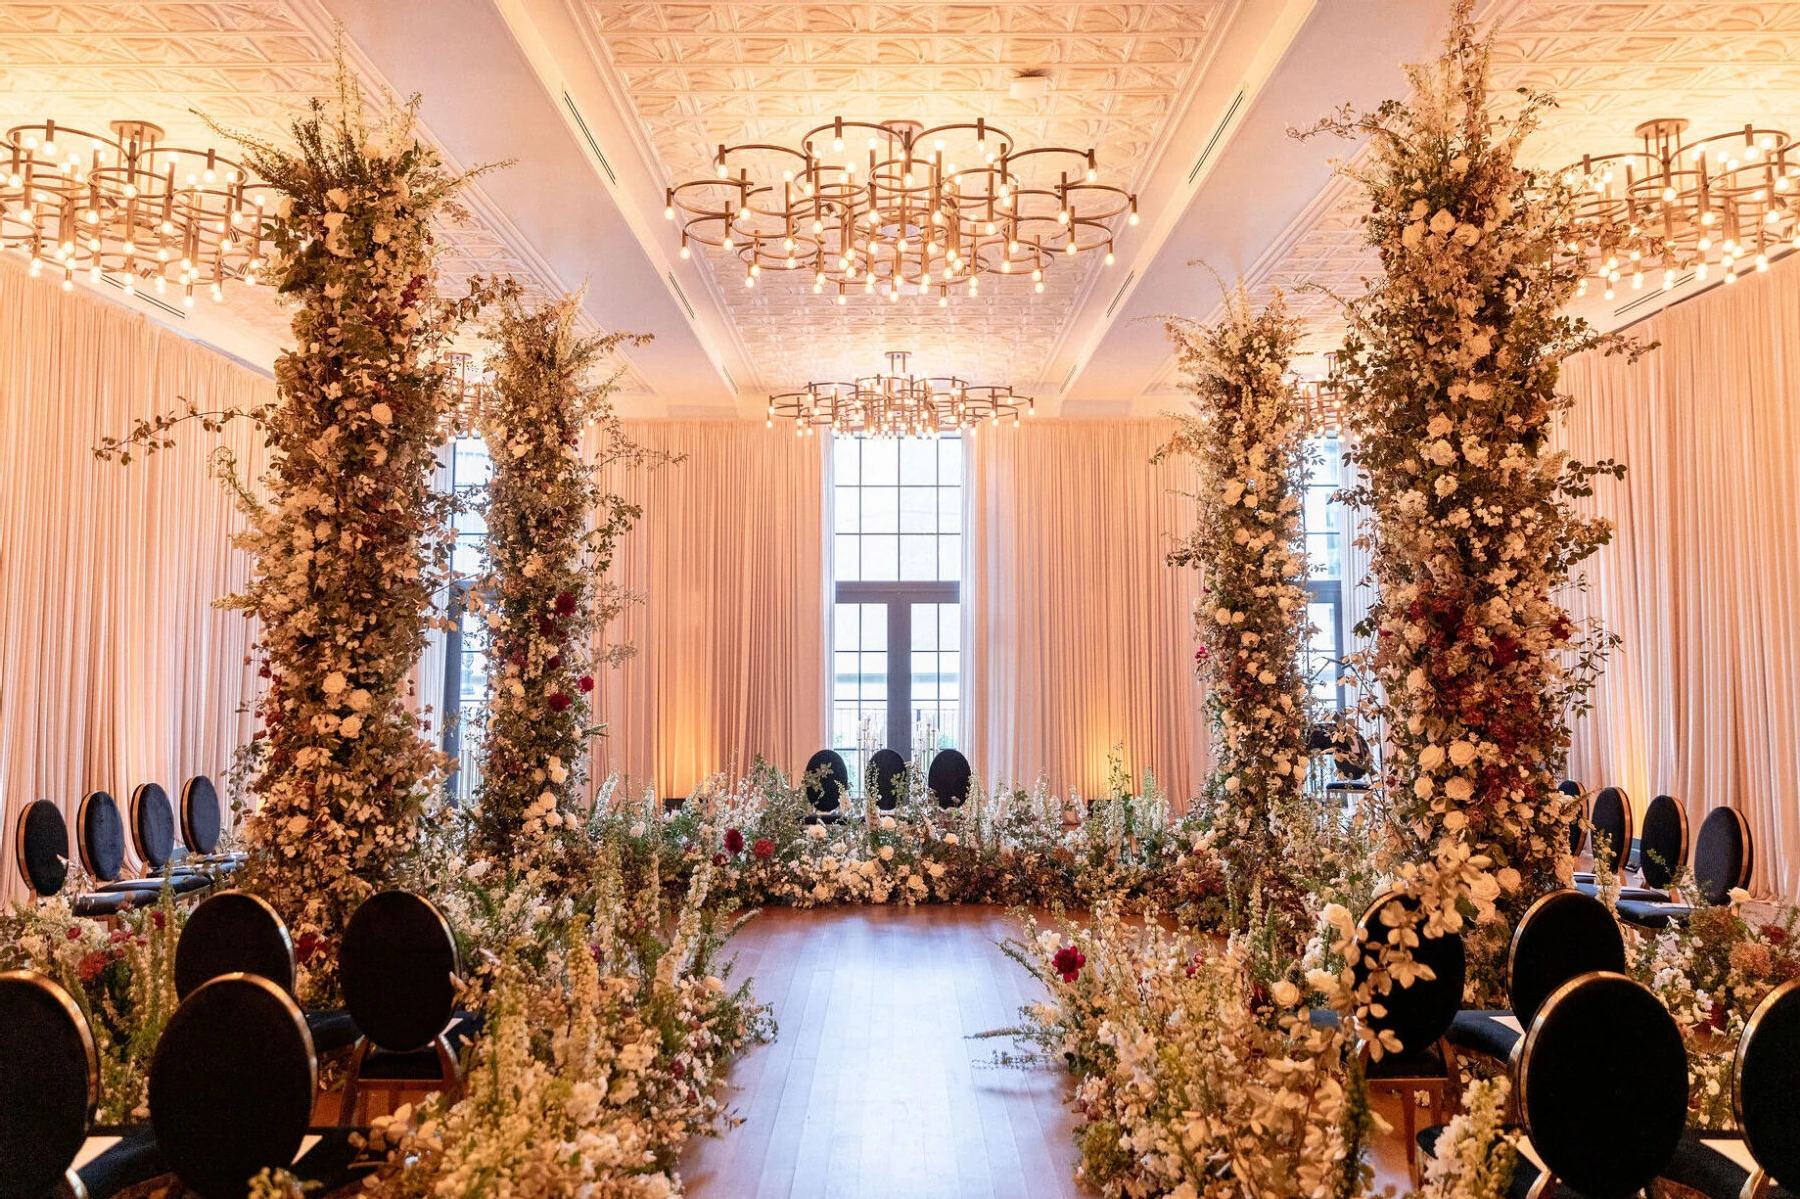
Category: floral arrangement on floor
[1246,440]
[1710,972]
[604,1040]
[122,978]
[1006,846]
[551,533]
[1449,378]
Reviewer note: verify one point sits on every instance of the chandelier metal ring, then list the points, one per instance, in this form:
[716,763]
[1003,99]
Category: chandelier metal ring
[129,206]
[903,214]
[898,404]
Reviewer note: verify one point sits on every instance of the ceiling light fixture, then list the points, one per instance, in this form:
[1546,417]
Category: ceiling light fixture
[898,208]
[130,208]
[898,404]
[1727,201]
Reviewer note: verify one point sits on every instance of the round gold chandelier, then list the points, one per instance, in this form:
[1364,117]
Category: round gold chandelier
[1725,201]
[129,208]
[898,404]
[896,208]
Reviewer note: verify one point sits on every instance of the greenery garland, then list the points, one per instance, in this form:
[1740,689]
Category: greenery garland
[1450,380]
[352,543]
[552,528]
[1246,440]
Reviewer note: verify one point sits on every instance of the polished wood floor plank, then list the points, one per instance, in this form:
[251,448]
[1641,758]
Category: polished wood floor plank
[874,1087]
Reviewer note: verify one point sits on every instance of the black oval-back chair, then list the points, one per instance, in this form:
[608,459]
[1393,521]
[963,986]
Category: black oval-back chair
[203,824]
[234,932]
[1563,935]
[49,1087]
[948,779]
[1578,826]
[1724,855]
[885,770]
[398,965]
[827,782]
[1418,1016]
[1610,820]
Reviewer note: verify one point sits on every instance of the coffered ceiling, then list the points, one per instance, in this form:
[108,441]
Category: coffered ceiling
[602,104]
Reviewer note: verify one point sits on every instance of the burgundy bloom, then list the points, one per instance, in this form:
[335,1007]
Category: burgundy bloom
[1774,934]
[555,662]
[565,604]
[157,918]
[719,859]
[74,934]
[764,848]
[585,683]
[559,702]
[90,966]
[1068,962]
[305,947]
[734,841]
[678,1068]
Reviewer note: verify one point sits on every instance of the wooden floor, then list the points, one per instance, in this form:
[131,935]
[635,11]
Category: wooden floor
[872,1087]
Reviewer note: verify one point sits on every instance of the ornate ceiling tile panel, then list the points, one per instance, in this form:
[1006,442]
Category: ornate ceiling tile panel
[703,74]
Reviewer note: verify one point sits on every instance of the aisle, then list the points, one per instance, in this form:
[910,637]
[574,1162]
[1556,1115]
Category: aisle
[872,1089]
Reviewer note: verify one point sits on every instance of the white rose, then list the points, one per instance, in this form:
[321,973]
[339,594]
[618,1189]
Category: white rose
[296,825]
[1285,993]
[887,823]
[1415,679]
[887,853]
[1509,879]
[1440,425]
[1455,820]
[334,683]
[1423,786]
[1442,221]
[1459,789]
[1412,235]
[1431,757]
[816,832]
[1461,753]
[352,726]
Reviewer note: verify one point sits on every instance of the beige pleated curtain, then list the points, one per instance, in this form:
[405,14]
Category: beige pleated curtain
[1077,635]
[115,669]
[1702,580]
[730,644]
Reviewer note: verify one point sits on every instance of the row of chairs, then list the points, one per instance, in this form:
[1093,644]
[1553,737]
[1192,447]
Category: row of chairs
[41,845]
[1724,853]
[828,780]
[234,1079]
[1598,1066]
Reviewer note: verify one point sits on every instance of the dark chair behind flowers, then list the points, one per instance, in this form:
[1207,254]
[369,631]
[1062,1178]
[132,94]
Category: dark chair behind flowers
[1578,826]
[1602,1086]
[1762,1159]
[398,964]
[202,824]
[231,1093]
[1417,1015]
[1563,935]
[152,826]
[885,770]
[1724,855]
[827,783]
[41,852]
[234,932]
[1662,851]
[948,778]
[100,841]
[1611,820]
[49,1086]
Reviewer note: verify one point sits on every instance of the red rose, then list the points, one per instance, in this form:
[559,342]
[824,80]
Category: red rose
[1068,962]
[586,683]
[559,702]
[1774,934]
[678,1068]
[555,662]
[718,859]
[734,841]
[157,918]
[565,604]
[74,934]
[305,947]
[764,848]
[91,965]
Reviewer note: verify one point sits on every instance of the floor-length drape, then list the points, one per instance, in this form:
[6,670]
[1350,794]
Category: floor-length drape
[1702,579]
[728,558]
[1078,635]
[115,669]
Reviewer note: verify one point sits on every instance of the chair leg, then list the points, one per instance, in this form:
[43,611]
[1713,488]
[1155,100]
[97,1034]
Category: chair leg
[352,1084]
